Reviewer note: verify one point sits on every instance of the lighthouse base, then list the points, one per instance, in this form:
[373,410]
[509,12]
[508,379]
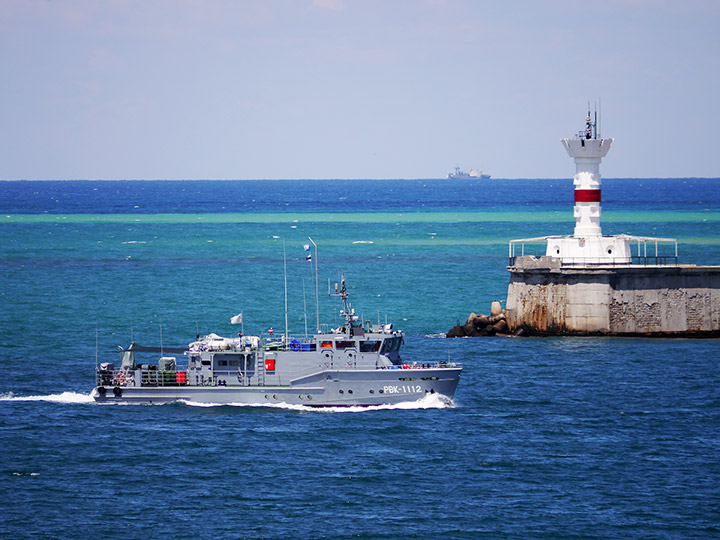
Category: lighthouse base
[545,298]
[582,250]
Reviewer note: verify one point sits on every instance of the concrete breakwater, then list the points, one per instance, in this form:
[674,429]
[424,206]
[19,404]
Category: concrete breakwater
[546,298]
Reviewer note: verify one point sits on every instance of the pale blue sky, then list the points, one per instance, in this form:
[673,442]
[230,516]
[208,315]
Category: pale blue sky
[182,89]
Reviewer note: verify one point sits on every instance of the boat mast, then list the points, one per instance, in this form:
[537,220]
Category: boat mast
[304,307]
[317,296]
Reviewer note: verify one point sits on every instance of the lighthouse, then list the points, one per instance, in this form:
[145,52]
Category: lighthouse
[588,283]
[587,245]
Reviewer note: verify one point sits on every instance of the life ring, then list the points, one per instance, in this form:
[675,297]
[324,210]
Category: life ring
[120,378]
[294,345]
[117,391]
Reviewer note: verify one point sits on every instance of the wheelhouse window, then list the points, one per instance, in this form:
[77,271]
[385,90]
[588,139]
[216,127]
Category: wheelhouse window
[391,345]
[369,346]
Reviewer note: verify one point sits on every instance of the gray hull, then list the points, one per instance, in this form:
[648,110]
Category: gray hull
[327,388]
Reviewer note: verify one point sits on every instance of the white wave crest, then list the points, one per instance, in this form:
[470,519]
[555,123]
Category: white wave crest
[65,397]
[430,401]
[363,242]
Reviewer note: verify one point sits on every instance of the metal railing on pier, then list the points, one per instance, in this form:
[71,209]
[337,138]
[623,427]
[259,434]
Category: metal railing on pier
[647,252]
[635,260]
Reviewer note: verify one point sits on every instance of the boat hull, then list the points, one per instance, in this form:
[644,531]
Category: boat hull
[327,388]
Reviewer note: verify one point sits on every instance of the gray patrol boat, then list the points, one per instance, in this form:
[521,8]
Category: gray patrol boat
[353,365]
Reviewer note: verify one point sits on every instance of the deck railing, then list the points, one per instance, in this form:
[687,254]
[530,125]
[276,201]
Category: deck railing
[149,377]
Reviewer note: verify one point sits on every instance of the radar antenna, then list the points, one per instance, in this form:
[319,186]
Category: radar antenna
[348,313]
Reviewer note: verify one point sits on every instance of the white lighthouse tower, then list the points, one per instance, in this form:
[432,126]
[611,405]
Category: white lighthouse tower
[587,245]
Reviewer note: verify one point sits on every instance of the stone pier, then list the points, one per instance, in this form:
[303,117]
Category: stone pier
[546,297]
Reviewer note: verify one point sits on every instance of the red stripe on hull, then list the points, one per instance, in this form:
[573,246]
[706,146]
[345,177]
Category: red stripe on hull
[587,195]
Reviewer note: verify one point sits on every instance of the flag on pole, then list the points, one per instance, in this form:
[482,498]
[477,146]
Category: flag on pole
[237,319]
[308,257]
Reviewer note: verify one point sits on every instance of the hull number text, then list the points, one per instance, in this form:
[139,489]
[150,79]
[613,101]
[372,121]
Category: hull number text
[402,389]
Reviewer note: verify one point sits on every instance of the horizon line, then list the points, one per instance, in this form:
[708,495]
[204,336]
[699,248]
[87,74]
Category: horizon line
[338,179]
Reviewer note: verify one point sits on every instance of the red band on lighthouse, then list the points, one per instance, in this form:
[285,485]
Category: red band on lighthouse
[587,195]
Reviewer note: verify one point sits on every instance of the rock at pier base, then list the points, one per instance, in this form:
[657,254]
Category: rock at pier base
[482,325]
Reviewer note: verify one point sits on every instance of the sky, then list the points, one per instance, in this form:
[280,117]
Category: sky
[285,89]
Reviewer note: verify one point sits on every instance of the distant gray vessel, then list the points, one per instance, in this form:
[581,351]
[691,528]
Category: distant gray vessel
[472,175]
[352,365]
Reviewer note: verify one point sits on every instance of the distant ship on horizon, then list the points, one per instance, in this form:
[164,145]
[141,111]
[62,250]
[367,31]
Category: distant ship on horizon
[472,175]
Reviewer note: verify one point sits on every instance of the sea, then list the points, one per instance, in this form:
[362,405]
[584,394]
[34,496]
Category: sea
[546,438]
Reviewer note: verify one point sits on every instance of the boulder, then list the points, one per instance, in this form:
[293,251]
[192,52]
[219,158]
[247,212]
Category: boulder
[481,325]
[456,331]
[500,327]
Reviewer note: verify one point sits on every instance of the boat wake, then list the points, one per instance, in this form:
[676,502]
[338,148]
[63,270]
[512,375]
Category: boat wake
[431,401]
[65,397]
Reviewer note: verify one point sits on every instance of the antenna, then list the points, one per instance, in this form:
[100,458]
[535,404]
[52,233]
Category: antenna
[595,124]
[285,275]
[600,117]
[96,345]
[162,353]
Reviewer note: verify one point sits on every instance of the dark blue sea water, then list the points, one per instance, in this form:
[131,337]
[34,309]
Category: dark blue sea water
[578,438]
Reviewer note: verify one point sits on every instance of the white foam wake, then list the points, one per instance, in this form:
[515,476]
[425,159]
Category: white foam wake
[430,401]
[65,397]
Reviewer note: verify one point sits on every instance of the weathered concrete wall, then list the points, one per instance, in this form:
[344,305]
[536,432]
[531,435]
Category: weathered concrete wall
[544,298]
